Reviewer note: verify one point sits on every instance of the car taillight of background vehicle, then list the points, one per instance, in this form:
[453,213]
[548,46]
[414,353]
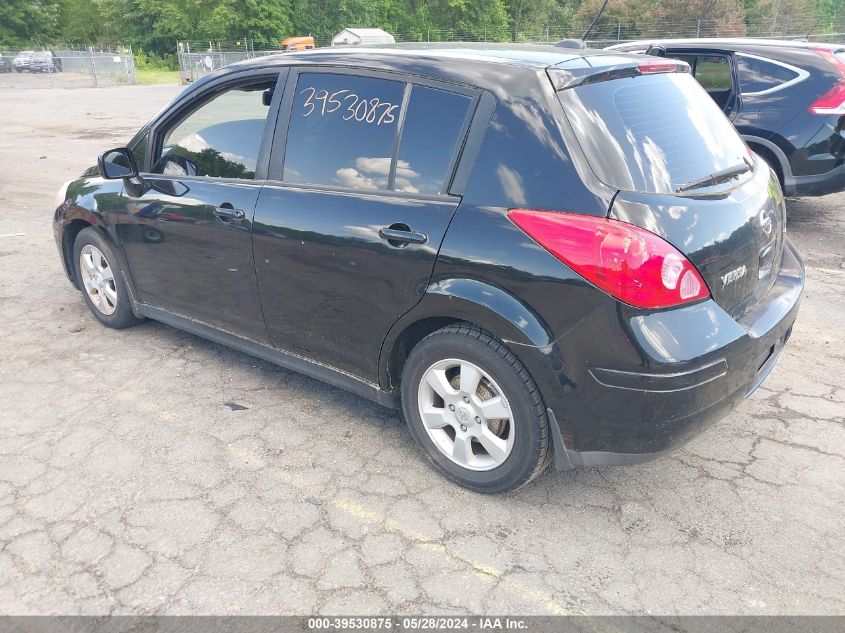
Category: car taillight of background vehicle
[833,101]
[651,67]
[628,262]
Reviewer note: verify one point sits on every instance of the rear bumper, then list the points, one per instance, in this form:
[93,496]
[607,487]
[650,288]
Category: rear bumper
[689,368]
[817,184]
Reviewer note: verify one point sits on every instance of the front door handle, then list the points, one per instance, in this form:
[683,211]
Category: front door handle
[401,235]
[227,212]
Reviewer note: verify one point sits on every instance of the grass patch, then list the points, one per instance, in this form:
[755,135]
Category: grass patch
[146,77]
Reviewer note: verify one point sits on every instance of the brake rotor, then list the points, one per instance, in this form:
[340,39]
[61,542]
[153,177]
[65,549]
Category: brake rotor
[484,392]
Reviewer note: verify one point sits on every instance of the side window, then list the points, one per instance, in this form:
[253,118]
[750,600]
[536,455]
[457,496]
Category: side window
[431,137]
[343,130]
[713,72]
[758,75]
[219,139]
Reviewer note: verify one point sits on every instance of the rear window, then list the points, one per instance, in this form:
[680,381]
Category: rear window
[759,75]
[653,133]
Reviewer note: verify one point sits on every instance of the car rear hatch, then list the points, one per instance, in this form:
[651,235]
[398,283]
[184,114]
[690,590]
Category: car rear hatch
[648,130]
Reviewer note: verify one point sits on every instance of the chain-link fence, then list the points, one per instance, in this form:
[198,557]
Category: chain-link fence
[66,68]
[197,58]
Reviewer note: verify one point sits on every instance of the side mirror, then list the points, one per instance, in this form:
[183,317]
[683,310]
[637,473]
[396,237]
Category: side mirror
[117,163]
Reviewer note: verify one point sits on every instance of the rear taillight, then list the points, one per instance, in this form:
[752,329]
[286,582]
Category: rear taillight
[628,262]
[833,101]
[650,67]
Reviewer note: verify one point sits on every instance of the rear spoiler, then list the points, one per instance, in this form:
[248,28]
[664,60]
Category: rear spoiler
[591,69]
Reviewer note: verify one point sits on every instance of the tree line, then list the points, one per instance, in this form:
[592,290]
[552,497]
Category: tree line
[153,26]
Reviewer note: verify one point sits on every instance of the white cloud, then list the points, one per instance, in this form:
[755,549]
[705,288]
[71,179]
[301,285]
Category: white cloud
[372,173]
[351,177]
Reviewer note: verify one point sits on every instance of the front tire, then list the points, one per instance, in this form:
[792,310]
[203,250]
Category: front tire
[475,410]
[101,281]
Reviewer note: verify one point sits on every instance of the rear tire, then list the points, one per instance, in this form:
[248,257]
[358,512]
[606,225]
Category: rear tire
[101,280]
[475,410]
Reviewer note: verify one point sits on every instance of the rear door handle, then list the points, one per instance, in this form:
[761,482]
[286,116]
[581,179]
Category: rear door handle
[402,235]
[227,212]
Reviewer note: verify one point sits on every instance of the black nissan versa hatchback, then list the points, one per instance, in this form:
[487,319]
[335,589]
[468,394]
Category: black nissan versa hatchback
[537,253]
[786,99]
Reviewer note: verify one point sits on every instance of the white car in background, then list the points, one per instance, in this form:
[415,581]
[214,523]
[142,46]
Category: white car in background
[22,61]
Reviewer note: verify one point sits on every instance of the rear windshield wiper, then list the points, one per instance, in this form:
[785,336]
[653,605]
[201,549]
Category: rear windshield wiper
[715,178]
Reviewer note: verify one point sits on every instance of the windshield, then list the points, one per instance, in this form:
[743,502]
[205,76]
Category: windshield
[652,133]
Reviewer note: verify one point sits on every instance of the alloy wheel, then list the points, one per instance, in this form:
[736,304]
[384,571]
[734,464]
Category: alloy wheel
[98,279]
[466,414]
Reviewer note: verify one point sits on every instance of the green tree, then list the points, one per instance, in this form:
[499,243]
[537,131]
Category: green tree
[264,22]
[529,19]
[81,22]
[629,19]
[471,19]
[26,22]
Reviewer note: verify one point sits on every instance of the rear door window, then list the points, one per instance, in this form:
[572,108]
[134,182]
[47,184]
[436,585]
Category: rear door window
[757,75]
[713,72]
[365,133]
[343,130]
[651,133]
[431,137]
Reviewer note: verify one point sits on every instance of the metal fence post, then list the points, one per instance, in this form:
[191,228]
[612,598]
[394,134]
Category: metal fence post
[130,65]
[618,31]
[93,65]
[698,28]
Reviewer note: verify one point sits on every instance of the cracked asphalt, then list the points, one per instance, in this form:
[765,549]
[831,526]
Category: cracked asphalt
[128,486]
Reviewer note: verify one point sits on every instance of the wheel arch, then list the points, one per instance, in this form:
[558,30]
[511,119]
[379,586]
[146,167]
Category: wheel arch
[73,219]
[70,230]
[775,156]
[462,301]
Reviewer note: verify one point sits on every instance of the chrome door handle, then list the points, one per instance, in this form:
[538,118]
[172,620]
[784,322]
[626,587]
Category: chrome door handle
[228,212]
[400,235]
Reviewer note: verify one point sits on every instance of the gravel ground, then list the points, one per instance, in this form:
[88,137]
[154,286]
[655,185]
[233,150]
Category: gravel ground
[128,486]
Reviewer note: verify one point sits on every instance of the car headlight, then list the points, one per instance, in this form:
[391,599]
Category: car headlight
[61,196]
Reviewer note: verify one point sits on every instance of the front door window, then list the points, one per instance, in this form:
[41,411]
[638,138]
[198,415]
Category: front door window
[221,138]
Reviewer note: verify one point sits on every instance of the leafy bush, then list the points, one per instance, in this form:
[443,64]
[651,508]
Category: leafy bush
[151,61]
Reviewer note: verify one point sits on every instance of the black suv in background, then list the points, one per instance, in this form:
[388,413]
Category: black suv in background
[786,99]
[44,62]
[536,253]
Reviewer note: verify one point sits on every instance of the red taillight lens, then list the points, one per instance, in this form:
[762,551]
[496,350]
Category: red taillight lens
[831,102]
[630,263]
[649,67]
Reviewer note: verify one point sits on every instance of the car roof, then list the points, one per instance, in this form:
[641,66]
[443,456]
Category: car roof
[727,42]
[448,61]
[435,54]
